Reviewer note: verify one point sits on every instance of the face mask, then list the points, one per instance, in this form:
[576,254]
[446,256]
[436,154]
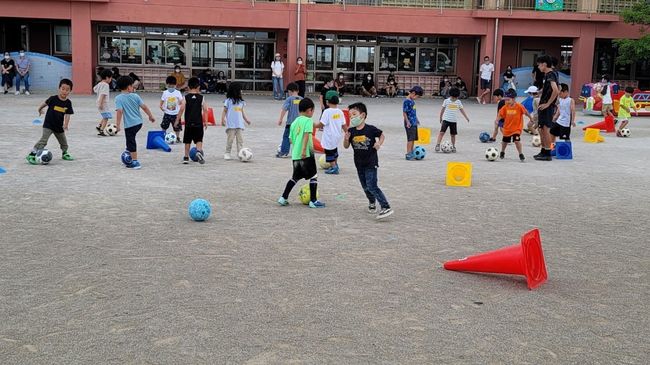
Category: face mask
[340,77]
[22,54]
[300,62]
[6,57]
[369,78]
[171,89]
[356,121]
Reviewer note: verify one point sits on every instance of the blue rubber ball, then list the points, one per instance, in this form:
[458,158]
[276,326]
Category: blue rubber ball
[200,210]
[126,158]
[193,154]
[484,137]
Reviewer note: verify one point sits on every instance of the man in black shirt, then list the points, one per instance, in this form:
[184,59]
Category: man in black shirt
[546,109]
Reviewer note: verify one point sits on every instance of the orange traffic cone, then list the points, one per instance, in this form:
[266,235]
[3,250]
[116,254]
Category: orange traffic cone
[606,125]
[525,259]
[210,118]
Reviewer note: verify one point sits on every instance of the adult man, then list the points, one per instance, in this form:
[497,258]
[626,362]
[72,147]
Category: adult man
[546,109]
[8,70]
[486,70]
[277,68]
[22,71]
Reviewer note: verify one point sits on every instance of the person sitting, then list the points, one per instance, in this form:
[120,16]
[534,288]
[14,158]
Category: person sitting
[462,87]
[181,82]
[368,87]
[137,83]
[116,75]
[221,82]
[509,79]
[445,86]
[391,85]
[339,83]
[206,81]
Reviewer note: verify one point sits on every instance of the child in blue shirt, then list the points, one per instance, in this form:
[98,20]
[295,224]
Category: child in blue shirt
[233,118]
[290,108]
[411,119]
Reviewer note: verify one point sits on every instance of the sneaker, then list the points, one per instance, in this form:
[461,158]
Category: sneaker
[66,156]
[453,149]
[26,92]
[199,156]
[316,204]
[102,133]
[135,165]
[333,170]
[99,128]
[521,157]
[492,139]
[178,140]
[372,208]
[17,93]
[478,100]
[283,202]
[502,155]
[437,149]
[409,157]
[618,133]
[6,92]
[615,121]
[226,156]
[384,212]
[31,158]
[186,160]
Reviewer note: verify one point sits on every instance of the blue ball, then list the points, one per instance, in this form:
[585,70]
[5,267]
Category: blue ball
[126,158]
[200,210]
[484,137]
[193,154]
[419,152]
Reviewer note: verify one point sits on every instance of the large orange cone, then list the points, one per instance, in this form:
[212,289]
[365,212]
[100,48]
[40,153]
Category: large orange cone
[525,259]
[606,125]
[210,117]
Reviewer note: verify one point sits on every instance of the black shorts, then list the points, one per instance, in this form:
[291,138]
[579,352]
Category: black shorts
[561,132]
[486,84]
[168,120]
[193,134]
[331,155]
[545,117]
[513,138]
[304,169]
[130,134]
[453,130]
[411,133]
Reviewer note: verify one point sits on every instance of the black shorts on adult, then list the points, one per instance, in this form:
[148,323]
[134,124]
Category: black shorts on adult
[193,134]
[452,127]
[411,133]
[130,134]
[561,132]
[513,138]
[545,117]
[486,84]
[331,155]
[168,120]
[304,169]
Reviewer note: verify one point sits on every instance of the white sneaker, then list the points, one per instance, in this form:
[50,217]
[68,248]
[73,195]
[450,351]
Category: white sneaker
[17,92]
[26,92]
[226,156]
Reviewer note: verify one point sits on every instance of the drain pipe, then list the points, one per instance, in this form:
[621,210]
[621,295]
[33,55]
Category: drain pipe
[298,32]
[496,33]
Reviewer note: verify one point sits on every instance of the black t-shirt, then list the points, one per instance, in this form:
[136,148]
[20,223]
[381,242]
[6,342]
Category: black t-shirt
[547,89]
[194,110]
[368,84]
[539,77]
[6,64]
[56,111]
[508,75]
[461,85]
[363,142]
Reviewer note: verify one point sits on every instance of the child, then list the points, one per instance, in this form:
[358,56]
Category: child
[607,97]
[171,103]
[366,140]
[302,154]
[565,115]
[233,113]
[102,89]
[531,103]
[194,109]
[290,107]
[498,96]
[624,110]
[128,105]
[333,122]
[448,117]
[411,119]
[512,115]
[57,119]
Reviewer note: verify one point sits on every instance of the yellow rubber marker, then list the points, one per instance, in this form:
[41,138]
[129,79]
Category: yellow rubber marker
[424,136]
[459,174]
[592,135]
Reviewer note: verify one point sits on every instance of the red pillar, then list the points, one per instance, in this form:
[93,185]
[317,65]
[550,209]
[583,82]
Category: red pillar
[82,51]
[296,44]
[582,58]
[486,49]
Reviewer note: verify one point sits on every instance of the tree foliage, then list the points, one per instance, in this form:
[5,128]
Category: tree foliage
[633,50]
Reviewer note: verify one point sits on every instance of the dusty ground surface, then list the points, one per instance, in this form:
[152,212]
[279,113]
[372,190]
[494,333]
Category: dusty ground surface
[101,264]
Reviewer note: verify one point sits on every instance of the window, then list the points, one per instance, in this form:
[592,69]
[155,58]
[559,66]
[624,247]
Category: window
[324,56]
[175,52]
[345,58]
[62,39]
[365,58]
[155,54]
[446,60]
[131,50]
[264,55]
[109,49]
[388,59]
[201,54]
[244,55]
[406,59]
[427,61]
[222,55]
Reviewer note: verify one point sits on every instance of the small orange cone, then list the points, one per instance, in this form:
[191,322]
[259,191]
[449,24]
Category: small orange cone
[526,259]
[606,125]
[210,120]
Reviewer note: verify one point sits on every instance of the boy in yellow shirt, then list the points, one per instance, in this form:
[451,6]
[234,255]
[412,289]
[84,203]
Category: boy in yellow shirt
[626,105]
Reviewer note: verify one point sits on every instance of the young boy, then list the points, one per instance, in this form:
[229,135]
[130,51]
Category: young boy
[608,104]
[565,115]
[366,140]
[531,103]
[302,154]
[411,119]
[498,96]
[625,109]
[448,117]
[171,103]
[57,119]
[512,115]
[102,89]
[290,107]
[546,109]
[333,122]
[194,109]
[128,105]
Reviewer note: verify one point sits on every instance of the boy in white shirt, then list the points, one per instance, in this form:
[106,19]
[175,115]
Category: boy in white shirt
[170,103]
[449,116]
[103,91]
[333,121]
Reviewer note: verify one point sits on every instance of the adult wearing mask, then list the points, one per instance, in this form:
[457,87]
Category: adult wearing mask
[299,76]
[8,72]
[368,87]
[445,85]
[339,83]
[23,64]
[462,87]
[509,79]
[277,68]
[181,82]
[391,85]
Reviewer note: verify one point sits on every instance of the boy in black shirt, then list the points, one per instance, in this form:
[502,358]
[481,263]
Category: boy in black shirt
[365,140]
[546,109]
[327,86]
[57,119]
[498,96]
[193,109]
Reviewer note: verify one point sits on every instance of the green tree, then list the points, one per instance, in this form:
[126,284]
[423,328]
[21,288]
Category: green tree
[633,50]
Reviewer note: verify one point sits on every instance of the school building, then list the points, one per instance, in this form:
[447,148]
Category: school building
[421,40]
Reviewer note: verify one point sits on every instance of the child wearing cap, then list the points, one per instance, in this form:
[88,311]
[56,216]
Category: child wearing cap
[512,114]
[449,116]
[333,122]
[531,103]
[411,119]
[625,108]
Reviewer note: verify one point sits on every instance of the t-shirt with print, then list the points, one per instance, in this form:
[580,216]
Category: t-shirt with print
[547,90]
[513,119]
[129,104]
[291,107]
[193,110]
[299,127]
[486,71]
[102,88]
[363,144]
[408,107]
[171,102]
[56,111]
[627,101]
[452,107]
[333,121]
[234,113]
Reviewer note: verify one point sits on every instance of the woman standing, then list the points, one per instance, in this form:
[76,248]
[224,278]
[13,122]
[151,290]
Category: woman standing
[277,68]
[299,76]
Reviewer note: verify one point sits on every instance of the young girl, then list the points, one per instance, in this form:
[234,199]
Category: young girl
[233,118]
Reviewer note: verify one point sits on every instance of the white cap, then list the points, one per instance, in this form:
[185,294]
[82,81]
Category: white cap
[532,89]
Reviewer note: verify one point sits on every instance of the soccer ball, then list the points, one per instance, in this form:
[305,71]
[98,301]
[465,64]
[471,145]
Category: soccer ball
[111,129]
[126,158]
[625,132]
[323,164]
[43,156]
[536,141]
[484,137]
[304,194]
[245,154]
[446,147]
[193,154]
[491,154]
[199,210]
[419,152]
[170,138]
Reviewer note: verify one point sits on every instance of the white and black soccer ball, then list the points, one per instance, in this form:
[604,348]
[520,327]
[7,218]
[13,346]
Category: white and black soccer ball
[446,147]
[625,132]
[170,138]
[491,154]
[111,129]
[536,141]
[43,156]
[245,154]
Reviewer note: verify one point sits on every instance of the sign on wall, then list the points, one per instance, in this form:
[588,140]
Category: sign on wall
[549,5]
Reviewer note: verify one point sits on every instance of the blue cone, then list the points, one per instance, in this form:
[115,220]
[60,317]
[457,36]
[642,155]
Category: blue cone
[2,171]
[156,140]
[563,150]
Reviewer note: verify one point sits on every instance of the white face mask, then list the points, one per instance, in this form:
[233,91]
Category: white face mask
[22,54]
[300,62]
[6,57]
[369,78]
[177,70]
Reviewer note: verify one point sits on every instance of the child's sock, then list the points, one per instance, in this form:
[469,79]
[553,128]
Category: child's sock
[313,190]
[287,189]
